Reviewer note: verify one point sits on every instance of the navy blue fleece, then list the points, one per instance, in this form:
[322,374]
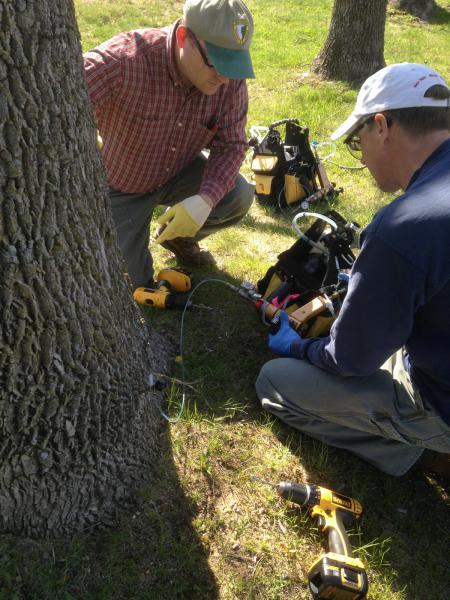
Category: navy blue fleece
[399,291]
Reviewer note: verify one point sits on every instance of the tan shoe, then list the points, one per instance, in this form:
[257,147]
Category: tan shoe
[188,251]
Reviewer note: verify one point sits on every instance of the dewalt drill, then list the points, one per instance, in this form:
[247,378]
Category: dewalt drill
[170,290]
[337,575]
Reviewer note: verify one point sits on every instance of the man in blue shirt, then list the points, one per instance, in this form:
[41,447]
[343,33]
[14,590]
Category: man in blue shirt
[379,384]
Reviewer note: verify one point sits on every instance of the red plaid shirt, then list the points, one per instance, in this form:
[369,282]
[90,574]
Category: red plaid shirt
[152,125]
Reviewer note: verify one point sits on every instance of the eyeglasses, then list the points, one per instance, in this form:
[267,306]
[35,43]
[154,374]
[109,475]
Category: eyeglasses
[201,50]
[353,141]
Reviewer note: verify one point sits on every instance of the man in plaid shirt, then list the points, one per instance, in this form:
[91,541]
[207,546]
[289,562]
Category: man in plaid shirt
[161,96]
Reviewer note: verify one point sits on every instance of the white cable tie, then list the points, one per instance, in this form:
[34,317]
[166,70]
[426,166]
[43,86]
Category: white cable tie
[329,305]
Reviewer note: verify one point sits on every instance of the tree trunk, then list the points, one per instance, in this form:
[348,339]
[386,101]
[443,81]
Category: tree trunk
[354,48]
[78,420]
[423,9]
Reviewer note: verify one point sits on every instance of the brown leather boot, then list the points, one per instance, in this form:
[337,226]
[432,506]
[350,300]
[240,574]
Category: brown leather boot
[188,251]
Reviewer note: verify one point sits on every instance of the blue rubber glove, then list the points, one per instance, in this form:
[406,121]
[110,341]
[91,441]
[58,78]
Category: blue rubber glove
[280,342]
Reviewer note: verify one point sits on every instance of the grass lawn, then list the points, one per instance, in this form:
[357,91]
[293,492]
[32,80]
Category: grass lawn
[205,528]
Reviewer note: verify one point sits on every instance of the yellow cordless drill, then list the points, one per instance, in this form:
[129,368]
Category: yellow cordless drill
[337,575]
[170,290]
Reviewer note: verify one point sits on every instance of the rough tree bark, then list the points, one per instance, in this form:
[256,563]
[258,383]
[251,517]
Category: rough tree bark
[354,48]
[78,421]
[423,9]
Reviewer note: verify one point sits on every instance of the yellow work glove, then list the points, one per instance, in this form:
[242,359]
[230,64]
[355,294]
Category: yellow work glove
[183,219]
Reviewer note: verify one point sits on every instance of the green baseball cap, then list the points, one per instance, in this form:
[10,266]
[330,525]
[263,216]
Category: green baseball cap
[226,27]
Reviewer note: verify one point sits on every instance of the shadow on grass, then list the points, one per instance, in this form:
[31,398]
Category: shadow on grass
[224,346]
[283,222]
[153,554]
[439,16]
[403,533]
[276,228]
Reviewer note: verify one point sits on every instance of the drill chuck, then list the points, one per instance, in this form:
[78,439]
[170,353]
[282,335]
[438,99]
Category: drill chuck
[299,493]
[314,495]
[161,297]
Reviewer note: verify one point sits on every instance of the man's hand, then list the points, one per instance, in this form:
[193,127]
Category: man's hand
[281,342]
[184,219]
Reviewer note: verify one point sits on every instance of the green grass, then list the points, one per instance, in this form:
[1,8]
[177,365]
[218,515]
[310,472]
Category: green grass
[205,528]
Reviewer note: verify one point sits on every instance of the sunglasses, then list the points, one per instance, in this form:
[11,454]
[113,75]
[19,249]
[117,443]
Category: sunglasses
[201,50]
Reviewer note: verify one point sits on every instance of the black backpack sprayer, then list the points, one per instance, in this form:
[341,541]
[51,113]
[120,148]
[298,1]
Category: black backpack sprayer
[309,281]
[288,173]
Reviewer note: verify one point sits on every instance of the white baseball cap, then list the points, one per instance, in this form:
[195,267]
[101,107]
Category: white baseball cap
[402,85]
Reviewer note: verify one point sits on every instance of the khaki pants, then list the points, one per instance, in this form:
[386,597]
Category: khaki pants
[381,417]
[132,214]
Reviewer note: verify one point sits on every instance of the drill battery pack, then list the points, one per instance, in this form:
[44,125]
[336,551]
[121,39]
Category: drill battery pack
[338,577]
[169,291]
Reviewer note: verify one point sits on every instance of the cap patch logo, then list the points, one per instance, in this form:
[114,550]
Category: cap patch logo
[240,31]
